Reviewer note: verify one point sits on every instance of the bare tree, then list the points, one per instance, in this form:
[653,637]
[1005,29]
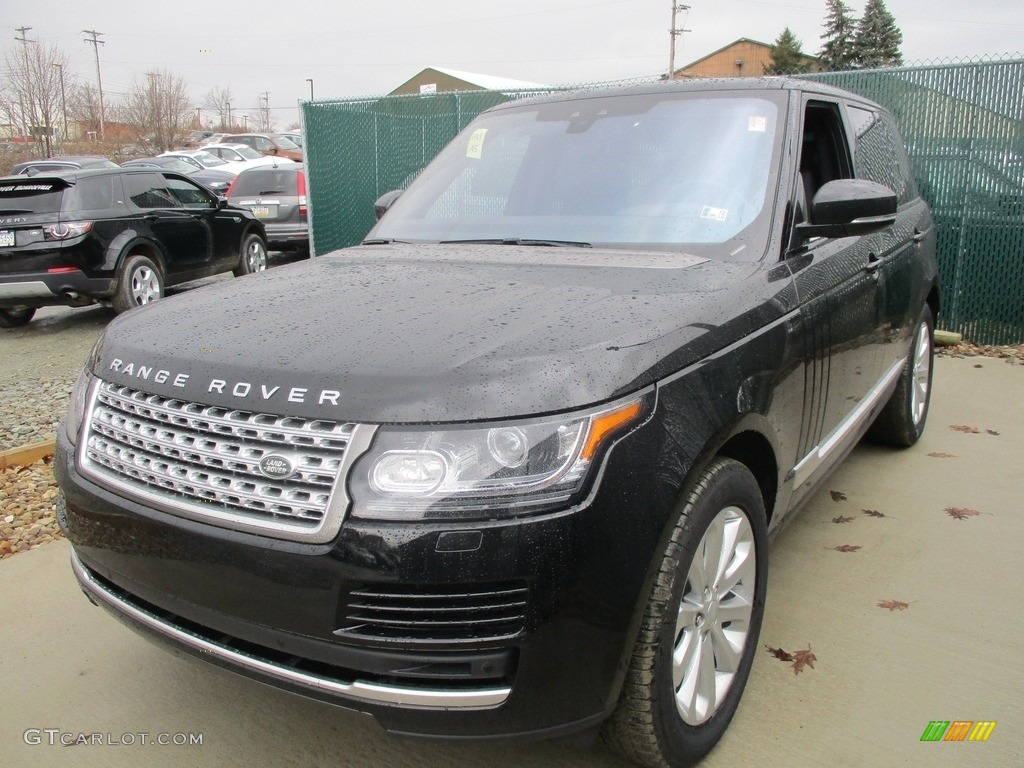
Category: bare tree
[218,100]
[30,94]
[84,108]
[158,108]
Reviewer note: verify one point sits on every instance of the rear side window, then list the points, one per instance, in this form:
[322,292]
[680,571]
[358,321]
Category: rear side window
[90,194]
[269,182]
[881,156]
[149,190]
[31,197]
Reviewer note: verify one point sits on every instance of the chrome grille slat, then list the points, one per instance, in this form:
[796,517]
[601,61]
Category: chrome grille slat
[435,613]
[202,462]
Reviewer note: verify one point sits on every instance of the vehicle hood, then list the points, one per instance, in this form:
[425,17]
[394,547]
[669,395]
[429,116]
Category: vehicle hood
[420,333]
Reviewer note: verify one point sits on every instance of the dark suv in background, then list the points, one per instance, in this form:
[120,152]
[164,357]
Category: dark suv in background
[119,236]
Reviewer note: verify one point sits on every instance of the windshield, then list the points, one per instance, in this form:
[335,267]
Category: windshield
[643,170]
[285,143]
[248,152]
[208,159]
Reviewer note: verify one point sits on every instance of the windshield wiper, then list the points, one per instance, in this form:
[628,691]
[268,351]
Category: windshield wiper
[272,192]
[518,241]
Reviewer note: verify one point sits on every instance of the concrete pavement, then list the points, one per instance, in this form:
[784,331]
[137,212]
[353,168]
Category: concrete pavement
[956,653]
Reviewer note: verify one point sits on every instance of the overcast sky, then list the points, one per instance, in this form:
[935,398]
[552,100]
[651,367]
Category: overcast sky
[366,48]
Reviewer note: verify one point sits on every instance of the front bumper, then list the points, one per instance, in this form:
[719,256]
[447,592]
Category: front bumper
[40,289]
[525,625]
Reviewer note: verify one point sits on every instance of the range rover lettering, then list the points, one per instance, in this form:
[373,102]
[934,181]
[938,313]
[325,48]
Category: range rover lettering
[511,466]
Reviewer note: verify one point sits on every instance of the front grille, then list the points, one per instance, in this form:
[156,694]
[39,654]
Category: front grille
[435,613]
[203,462]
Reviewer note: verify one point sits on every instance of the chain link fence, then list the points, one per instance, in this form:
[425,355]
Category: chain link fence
[963,123]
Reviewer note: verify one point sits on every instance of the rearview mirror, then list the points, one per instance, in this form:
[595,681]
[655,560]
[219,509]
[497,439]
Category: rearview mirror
[847,207]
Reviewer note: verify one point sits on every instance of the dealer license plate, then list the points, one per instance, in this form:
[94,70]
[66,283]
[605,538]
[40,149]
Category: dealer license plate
[264,211]
[6,238]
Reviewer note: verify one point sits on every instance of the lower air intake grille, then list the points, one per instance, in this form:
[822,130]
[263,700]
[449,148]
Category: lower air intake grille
[435,613]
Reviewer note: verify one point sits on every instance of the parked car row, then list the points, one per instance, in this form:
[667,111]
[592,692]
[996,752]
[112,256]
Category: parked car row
[117,236]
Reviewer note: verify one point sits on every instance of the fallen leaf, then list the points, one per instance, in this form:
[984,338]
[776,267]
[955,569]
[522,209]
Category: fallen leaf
[841,519]
[961,513]
[803,659]
[845,548]
[977,365]
[992,432]
[893,605]
[964,428]
[872,513]
[779,654]
[941,455]
[837,495]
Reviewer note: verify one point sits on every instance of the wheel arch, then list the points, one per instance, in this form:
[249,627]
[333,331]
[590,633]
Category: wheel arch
[146,248]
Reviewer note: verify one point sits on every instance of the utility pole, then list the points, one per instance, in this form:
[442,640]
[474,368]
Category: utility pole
[26,114]
[96,43]
[310,81]
[673,33]
[63,103]
[230,124]
[265,111]
[154,103]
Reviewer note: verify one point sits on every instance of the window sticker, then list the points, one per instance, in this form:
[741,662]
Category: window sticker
[715,214]
[757,124]
[476,144]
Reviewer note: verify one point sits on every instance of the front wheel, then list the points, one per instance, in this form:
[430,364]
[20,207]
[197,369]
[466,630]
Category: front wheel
[700,626]
[901,421]
[140,283]
[16,317]
[253,257]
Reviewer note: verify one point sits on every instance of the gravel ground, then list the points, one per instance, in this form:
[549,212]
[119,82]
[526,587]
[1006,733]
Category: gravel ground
[30,407]
[28,497]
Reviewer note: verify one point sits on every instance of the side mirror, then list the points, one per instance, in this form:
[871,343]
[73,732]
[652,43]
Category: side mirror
[385,201]
[847,207]
[222,202]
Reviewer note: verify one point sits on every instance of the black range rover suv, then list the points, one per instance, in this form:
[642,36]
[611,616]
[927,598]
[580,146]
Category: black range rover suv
[511,466]
[114,235]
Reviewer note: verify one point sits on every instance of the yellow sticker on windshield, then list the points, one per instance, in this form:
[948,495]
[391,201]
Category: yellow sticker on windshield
[476,144]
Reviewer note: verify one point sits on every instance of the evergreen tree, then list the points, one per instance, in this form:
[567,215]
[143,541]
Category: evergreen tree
[837,52]
[786,55]
[878,38]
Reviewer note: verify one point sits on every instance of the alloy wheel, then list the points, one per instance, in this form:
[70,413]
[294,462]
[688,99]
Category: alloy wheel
[713,619]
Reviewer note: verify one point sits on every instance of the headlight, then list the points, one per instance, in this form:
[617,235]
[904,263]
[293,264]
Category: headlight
[504,469]
[76,407]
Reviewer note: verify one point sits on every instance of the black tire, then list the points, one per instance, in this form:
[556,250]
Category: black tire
[253,256]
[15,317]
[901,422]
[647,726]
[140,282]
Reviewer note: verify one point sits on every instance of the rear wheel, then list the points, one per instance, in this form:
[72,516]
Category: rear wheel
[700,627]
[15,317]
[253,257]
[901,422]
[140,283]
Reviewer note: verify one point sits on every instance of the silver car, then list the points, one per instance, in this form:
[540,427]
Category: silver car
[277,197]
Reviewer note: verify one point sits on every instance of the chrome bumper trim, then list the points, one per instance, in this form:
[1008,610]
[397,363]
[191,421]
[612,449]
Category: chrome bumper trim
[29,289]
[362,691]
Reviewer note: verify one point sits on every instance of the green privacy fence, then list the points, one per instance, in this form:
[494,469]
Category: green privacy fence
[963,124]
